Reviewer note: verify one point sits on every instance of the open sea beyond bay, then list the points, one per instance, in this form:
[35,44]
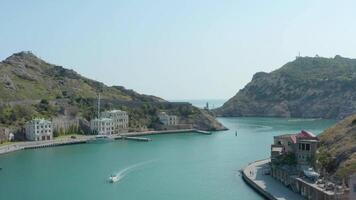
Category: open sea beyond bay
[170,167]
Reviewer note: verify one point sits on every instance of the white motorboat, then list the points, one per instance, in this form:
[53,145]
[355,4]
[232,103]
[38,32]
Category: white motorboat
[113,178]
[310,173]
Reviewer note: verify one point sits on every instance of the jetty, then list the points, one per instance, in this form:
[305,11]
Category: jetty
[56,143]
[136,136]
[141,139]
[254,175]
[143,133]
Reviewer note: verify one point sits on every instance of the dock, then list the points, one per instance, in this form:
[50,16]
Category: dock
[137,136]
[141,139]
[202,132]
[53,144]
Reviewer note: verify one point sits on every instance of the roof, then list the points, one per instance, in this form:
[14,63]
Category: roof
[305,134]
[284,136]
[301,135]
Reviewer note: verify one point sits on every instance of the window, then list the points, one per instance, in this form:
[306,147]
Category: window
[307,147]
[303,147]
[354,187]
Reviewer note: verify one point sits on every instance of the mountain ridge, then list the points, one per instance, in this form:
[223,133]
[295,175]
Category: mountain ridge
[308,87]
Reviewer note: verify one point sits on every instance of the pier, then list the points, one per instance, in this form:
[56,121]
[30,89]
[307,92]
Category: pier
[53,144]
[84,138]
[253,174]
[141,139]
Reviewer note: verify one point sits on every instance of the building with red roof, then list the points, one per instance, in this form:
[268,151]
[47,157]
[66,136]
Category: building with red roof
[303,145]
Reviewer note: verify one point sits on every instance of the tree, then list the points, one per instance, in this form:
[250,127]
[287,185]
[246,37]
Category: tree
[323,160]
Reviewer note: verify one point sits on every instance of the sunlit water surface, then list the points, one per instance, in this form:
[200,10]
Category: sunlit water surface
[174,167]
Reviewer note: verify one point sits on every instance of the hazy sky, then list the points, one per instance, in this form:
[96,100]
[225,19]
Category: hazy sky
[179,49]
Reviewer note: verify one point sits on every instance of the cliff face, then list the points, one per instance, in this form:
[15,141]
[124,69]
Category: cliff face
[339,143]
[308,87]
[29,86]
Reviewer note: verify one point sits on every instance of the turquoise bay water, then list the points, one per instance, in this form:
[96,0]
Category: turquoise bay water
[175,167]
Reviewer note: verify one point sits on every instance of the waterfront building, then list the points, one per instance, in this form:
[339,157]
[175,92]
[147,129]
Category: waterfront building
[299,175]
[306,147]
[285,141]
[120,119]
[168,120]
[102,126]
[302,145]
[39,129]
[4,134]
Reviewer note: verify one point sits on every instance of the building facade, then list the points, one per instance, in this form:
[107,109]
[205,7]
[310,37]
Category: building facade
[39,130]
[303,145]
[168,120]
[102,126]
[120,119]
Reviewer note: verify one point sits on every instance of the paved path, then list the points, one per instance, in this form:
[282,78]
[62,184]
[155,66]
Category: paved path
[254,172]
[22,145]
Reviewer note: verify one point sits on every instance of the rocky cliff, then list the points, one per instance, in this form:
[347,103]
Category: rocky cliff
[308,87]
[29,87]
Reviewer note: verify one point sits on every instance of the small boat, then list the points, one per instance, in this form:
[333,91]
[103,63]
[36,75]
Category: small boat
[113,178]
[310,173]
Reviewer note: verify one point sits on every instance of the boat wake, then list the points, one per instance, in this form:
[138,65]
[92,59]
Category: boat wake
[124,172]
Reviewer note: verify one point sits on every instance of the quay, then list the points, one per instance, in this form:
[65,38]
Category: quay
[16,146]
[142,139]
[165,132]
[42,144]
[254,174]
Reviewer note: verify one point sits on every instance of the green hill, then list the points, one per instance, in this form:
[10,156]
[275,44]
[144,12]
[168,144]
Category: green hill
[308,87]
[31,87]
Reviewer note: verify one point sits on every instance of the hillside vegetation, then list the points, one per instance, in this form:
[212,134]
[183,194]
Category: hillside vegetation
[31,87]
[338,146]
[308,87]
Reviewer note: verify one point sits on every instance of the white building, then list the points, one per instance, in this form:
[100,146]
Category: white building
[102,126]
[39,129]
[168,120]
[120,119]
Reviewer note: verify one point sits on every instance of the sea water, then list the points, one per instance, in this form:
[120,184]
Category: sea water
[174,166]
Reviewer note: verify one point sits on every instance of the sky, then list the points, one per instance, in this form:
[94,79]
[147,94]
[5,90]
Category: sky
[181,49]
